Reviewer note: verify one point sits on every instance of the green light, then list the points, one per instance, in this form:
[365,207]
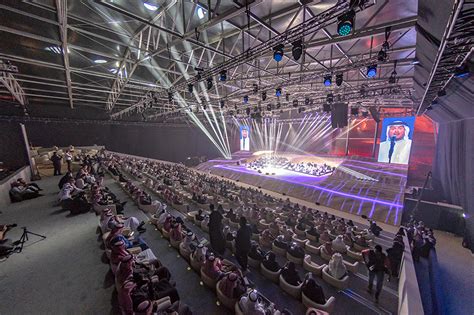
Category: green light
[345,29]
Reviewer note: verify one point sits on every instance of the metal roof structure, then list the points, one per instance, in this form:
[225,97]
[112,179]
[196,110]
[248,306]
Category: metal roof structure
[130,58]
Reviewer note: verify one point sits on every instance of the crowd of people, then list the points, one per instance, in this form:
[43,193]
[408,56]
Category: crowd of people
[21,190]
[279,162]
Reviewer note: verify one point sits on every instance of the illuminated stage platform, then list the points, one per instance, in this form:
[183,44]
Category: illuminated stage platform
[358,186]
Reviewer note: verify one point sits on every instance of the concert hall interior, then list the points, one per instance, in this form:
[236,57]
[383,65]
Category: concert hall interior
[256,157]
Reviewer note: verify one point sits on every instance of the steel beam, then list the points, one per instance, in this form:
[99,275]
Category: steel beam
[61,9]
[13,87]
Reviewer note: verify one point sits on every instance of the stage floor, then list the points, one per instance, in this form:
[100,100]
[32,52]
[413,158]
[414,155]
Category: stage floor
[357,186]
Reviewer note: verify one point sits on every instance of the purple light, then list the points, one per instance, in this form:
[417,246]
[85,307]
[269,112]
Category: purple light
[386,203]
[372,170]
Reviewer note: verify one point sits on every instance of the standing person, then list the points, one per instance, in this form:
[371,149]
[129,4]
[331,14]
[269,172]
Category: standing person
[375,261]
[215,231]
[56,159]
[243,243]
[68,158]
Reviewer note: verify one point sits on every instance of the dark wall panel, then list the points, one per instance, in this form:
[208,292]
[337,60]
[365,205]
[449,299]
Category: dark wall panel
[12,147]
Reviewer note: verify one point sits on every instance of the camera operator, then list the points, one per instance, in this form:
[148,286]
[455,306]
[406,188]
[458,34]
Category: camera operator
[6,245]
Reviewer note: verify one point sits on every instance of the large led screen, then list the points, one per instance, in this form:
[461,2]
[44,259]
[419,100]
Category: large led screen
[396,139]
[244,138]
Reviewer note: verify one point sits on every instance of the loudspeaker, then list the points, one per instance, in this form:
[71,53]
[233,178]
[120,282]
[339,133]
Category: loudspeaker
[339,115]
[375,114]
[327,107]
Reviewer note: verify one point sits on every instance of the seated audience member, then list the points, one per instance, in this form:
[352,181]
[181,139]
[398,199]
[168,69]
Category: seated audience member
[144,199]
[280,242]
[338,244]
[337,269]
[266,238]
[124,297]
[256,253]
[327,248]
[6,245]
[25,185]
[212,267]
[119,250]
[290,274]
[124,271]
[296,251]
[176,233]
[199,216]
[325,237]
[65,179]
[199,253]
[374,228]
[270,262]
[313,232]
[19,193]
[249,304]
[187,242]
[361,241]
[348,239]
[232,285]
[313,290]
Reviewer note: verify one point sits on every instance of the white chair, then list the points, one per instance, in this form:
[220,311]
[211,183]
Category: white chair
[184,252]
[312,266]
[299,232]
[324,255]
[309,248]
[277,250]
[311,237]
[351,267]
[255,236]
[226,301]
[327,307]
[165,233]
[208,281]
[264,243]
[359,248]
[294,291]
[253,262]
[262,224]
[270,275]
[148,208]
[296,260]
[195,264]
[175,243]
[154,219]
[353,254]
[299,240]
[341,284]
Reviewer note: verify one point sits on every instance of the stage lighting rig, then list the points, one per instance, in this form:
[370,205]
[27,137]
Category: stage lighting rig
[6,66]
[278,105]
[339,79]
[264,95]
[269,107]
[170,96]
[222,103]
[223,76]
[246,99]
[190,88]
[295,103]
[327,107]
[306,101]
[462,71]
[301,110]
[255,88]
[278,52]
[278,92]
[210,83]
[330,98]
[327,80]
[287,97]
[393,77]
[297,49]
[355,111]
[345,24]
[372,71]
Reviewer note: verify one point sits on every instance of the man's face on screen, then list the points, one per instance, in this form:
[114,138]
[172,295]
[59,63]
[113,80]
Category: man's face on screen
[245,133]
[396,130]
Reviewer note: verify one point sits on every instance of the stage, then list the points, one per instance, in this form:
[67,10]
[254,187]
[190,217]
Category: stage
[356,185]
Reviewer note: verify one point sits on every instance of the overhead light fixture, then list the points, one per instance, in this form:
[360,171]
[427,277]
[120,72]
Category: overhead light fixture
[100,61]
[287,97]
[170,96]
[209,83]
[330,98]
[222,103]
[247,111]
[327,80]
[190,88]
[264,95]
[295,103]
[223,75]
[150,6]
[393,77]
[278,52]
[278,92]
[246,99]
[355,111]
[297,49]
[339,79]
[255,88]
[462,71]
[278,105]
[201,13]
[269,107]
[306,101]
[382,56]
[372,71]
[345,24]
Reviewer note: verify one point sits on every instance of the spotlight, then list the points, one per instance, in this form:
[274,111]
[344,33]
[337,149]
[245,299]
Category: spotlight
[345,23]
[246,99]
[204,106]
[330,98]
[327,80]
[462,71]
[269,107]
[255,88]
[382,55]
[365,114]
[170,96]
[247,111]
[278,92]
[442,93]
[278,52]
[297,49]
[190,88]
[209,83]
[306,101]
[264,96]
[222,103]
[355,111]
[372,71]
[295,103]
[339,79]
[278,105]
[287,97]
[393,78]
[223,75]
[327,107]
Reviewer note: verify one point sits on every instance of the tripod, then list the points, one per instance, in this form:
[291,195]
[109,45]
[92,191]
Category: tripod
[24,238]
